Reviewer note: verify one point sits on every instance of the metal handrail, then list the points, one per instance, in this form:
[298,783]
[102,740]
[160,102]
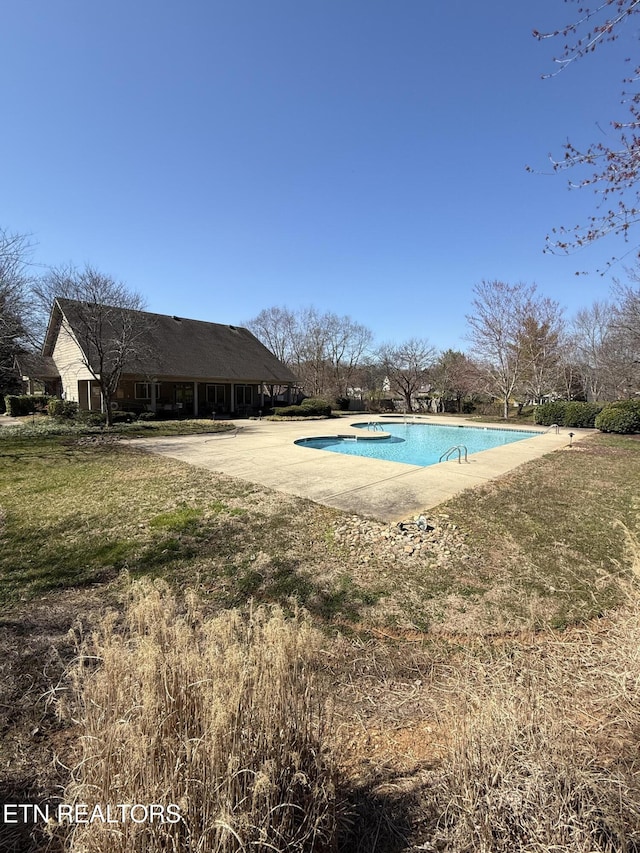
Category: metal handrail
[553,426]
[457,447]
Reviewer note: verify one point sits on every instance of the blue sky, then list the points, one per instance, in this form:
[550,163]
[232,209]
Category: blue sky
[364,156]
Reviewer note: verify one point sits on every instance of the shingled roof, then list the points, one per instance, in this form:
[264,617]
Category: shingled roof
[176,347]
[36,366]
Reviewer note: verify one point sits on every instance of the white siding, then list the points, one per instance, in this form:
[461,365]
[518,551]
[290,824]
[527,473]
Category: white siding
[67,356]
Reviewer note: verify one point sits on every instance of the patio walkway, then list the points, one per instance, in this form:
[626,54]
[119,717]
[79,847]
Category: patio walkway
[264,452]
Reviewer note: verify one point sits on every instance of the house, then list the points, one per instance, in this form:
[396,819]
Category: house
[180,366]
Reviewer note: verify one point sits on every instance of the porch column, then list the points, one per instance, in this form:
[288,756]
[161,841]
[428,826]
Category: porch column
[89,394]
[153,404]
[195,399]
[232,401]
[262,395]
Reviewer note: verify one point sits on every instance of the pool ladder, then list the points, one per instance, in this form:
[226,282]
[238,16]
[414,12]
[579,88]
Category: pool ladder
[457,448]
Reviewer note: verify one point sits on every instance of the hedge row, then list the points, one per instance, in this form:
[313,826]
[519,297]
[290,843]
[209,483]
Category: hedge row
[567,413]
[311,407]
[18,405]
[621,417]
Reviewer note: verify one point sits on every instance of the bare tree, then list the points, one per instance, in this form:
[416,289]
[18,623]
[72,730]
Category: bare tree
[275,328]
[627,310]
[107,323]
[455,376]
[570,374]
[626,333]
[14,303]
[407,367]
[612,168]
[323,349]
[348,344]
[540,337]
[496,327]
[310,345]
[591,334]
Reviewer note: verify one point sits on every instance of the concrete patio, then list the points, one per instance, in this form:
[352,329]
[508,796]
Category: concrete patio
[264,452]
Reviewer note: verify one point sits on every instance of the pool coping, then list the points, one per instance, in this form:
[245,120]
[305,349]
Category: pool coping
[263,452]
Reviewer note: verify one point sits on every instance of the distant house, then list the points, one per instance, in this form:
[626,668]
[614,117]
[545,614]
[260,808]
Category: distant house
[185,367]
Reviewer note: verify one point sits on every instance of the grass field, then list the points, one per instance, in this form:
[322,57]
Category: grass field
[536,586]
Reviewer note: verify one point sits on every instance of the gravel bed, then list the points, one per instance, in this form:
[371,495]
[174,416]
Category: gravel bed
[432,537]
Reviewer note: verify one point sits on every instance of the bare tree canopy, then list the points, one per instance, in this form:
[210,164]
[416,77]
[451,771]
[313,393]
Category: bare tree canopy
[111,331]
[591,335]
[407,367]
[540,341]
[14,302]
[322,348]
[611,167]
[454,376]
[275,328]
[515,334]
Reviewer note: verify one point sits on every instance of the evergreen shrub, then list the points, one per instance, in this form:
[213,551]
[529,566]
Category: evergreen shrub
[63,410]
[567,413]
[310,407]
[121,417]
[547,414]
[18,405]
[581,415]
[316,406]
[622,417]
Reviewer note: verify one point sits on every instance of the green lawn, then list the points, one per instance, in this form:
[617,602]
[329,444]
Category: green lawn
[540,546]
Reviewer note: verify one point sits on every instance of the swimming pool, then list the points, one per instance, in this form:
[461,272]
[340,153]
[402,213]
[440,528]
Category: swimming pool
[416,443]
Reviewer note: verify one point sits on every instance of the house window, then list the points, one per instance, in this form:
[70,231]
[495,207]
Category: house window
[215,395]
[143,390]
[244,395]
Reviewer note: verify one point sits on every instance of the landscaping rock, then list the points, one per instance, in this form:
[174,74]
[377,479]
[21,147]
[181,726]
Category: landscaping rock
[419,538]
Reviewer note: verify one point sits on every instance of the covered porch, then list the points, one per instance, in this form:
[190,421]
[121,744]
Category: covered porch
[188,398]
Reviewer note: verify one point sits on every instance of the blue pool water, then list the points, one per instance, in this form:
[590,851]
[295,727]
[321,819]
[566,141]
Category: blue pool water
[417,444]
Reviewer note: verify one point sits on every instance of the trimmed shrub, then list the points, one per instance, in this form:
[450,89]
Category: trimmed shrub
[92,418]
[622,417]
[581,415]
[119,417]
[290,412]
[316,406]
[311,407]
[18,405]
[567,413]
[547,414]
[63,410]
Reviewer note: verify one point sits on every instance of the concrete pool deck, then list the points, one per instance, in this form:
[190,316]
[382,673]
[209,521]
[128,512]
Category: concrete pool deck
[264,452]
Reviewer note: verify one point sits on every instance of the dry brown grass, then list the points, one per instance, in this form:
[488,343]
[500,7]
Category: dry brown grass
[545,743]
[222,717]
